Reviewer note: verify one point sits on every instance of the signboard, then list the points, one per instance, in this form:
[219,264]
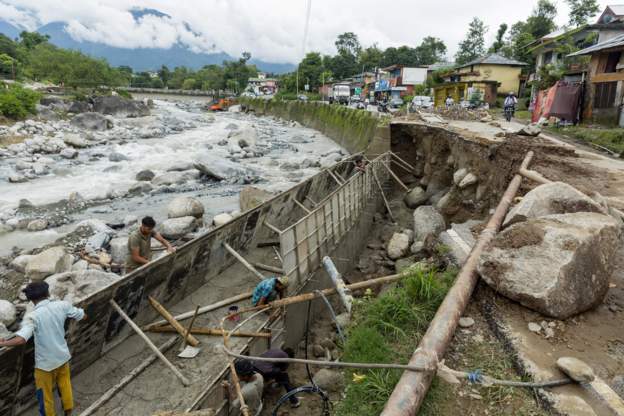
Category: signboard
[358,91]
[382,85]
[414,76]
[306,87]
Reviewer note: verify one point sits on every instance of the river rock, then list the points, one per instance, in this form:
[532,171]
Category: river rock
[19,263]
[552,198]
[398,246]
[76,285]
[329,380]
[140,188]
[181,166]
[78,107]
[118,249]
[79,266]
[459,175]
[23,165]
[69,153]
[74,140]
[251,197]
[416,197]
[221,219]
[48,262]
[530,130]
[428,224]
[558,265]
[290,166]
[576,369]
[469,179]
[178,227]
[145,175]
[37,225]
[170,178]
[17,179]
[91,121]
[7,312]
[117,157]
[116,105]
[208,172]
[184,206]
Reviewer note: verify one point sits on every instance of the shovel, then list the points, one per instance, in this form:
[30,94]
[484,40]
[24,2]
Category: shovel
[189,351]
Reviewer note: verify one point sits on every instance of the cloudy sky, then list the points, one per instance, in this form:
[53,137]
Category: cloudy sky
[271,30]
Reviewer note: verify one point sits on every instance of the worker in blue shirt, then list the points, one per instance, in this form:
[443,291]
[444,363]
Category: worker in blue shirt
[268,290]
[47,323]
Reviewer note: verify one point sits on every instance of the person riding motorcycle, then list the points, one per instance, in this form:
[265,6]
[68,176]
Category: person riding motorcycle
[510,105]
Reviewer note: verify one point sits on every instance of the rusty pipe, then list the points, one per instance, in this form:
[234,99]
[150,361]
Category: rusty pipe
[412,388]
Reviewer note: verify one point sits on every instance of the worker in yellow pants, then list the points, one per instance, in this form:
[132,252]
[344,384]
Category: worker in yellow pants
[45,381]
[47,323]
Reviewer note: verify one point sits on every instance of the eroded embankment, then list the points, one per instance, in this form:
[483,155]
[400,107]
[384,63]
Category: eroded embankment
[355,130]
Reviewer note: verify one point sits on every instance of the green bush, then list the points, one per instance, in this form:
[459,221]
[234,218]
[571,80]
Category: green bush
[17,102]
[124,94]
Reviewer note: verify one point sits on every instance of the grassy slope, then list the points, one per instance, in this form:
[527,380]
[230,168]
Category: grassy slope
[610,138]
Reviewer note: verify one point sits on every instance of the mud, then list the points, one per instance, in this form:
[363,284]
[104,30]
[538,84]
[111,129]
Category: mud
[517,237]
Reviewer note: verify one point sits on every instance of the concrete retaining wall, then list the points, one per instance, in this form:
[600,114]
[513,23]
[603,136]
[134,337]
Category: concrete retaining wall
[355,130]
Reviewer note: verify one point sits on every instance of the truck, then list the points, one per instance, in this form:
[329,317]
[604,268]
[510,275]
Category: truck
[340,93]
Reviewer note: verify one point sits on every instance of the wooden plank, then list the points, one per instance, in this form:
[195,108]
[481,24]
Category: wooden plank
[608,77]
[301,232]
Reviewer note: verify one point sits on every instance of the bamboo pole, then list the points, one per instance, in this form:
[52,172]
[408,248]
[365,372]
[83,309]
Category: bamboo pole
[172,321]
[268,268]
[311,200]
[334,176]
[188,329]
[303,207]
[317,294]
[202,310]
[185,381]
[534,176]
[396,178]
[213,332]
[272,228]
[412,388]
[110,393]
[383,195]
[243,406]
[278,255]
[403,161]
[242,261]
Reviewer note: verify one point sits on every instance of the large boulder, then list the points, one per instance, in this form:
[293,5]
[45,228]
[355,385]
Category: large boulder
[428,224]
[19,263]
[416,197]
[549,199]
[251,197]
[398,246]
[119,249]
[48,262]
[221,219]
[91,121]
[145,175]
[7,312]
[74,140]
[245,137]
[78,107]
[170,178]
[329,380]
[558,265]
[74,286]
[116,105]
[184,206]
[178,227]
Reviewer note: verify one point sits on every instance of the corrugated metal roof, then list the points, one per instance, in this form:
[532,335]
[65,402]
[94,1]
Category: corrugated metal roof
[618,9]
[608,44]
[494,59]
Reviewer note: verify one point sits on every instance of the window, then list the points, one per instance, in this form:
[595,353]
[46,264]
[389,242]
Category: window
[612,62]
[548,57]
[604,96]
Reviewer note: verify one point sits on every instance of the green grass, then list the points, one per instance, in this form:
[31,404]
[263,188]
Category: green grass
[386,330]
[610,138]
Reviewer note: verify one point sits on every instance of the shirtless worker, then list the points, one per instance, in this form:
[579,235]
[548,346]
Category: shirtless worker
[47,323]
[140,244]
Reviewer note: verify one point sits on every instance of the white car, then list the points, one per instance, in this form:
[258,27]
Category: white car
[422,101]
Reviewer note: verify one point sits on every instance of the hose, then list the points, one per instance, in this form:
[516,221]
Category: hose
[304,389]
[306,343]
[333,315]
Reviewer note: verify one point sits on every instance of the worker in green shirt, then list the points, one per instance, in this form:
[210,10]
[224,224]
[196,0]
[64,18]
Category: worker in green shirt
[140,244]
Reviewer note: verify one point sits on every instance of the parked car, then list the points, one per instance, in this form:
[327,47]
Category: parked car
[303,98]
[396,102]
[422,101]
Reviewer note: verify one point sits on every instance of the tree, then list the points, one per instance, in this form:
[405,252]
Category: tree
[582,10]
[310,70]
[499,43]
[164,74]
[370,58]
[473,46]
[541,22]
[32,39]
[430,51]
[348,44]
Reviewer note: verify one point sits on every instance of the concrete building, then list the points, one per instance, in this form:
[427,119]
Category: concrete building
[494,67]
[605,85]
[261,85]
[398,80]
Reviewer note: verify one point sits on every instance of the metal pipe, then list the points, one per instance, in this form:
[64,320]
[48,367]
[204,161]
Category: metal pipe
[412,388]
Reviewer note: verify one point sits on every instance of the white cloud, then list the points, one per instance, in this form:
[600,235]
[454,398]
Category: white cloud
[271,30]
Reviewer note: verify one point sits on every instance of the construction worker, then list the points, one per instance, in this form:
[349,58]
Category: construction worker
[47,323]
[360,164]
[277,372]
[268,290]
[252,386]
[140,244]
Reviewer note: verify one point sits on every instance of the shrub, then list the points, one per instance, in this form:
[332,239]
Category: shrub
[17,102]
[124,94]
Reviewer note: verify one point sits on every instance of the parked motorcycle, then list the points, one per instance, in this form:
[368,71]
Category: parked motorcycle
[382,107]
